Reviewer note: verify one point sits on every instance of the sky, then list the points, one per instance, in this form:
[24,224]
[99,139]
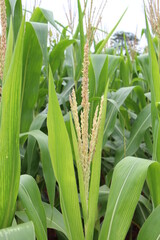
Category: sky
[133,21]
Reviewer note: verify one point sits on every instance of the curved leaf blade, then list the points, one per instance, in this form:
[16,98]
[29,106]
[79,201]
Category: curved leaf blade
[23,231]
[30,197]
[54,219]
[150,229]
[123,198]
[139,127]
[48,173]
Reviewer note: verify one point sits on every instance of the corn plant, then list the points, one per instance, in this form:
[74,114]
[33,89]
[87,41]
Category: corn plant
[85,161]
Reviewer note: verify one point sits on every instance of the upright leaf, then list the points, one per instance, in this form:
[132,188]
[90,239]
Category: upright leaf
[80,17]
[9,134]
[155,95]
[57,54]
[32,63]
[61,156]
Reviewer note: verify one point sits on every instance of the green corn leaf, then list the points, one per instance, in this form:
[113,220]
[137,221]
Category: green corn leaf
[123,197]
[95,176]
[17,17]
[101,69]
[41,30]
[153,179]
[119,97]
[150,229]
[30,197]
[32,63]
[139,127]
[155,95]
[124,72]
[80,17]
[57,53]
[43,16]
[8,14]
[31,146]
[9,134]
[98,73]
[23,231]
[48,173]
[54,219]
[61,156]
[14,10]
[144,62]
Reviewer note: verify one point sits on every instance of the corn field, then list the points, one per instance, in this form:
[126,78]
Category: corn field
[79,127]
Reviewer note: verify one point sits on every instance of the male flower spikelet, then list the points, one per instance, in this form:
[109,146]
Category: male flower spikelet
[86,143]
[154,16]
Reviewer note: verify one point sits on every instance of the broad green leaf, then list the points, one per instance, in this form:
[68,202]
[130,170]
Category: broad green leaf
[12,4]
[9,134]
[155,95]
[14,10]
[62,161]
[153,179]
[57,54]
[41,30]
[43,16]
[32,63]
[54,219]
[8,14]
[70,62]
[119,97]
[144,62]
[17,16]
[98,80]
[150,229]
[23,231]
[31,146]
[101,68]
[48,173]
[124,194]
[95,175]
[64,95]
[139,127]
[30,197]
[99,71]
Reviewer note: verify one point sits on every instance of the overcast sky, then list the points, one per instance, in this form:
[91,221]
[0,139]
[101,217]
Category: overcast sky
[133,20]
